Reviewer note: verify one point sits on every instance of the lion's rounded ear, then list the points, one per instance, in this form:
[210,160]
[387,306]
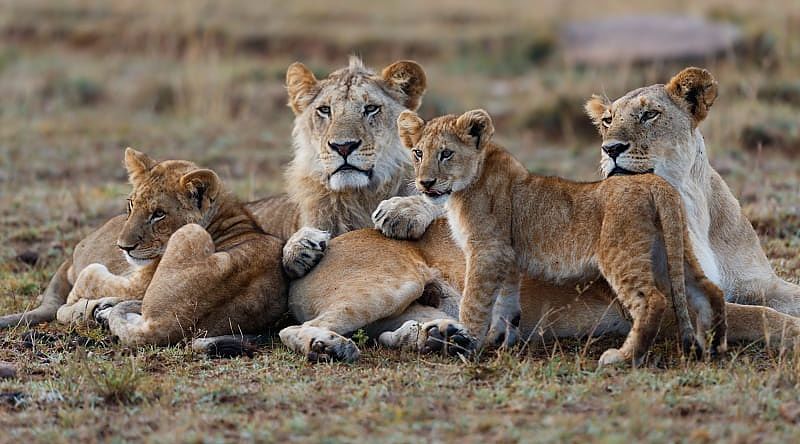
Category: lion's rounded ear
[301,85]
[201,184]
[475,125]
[694,90]
[409,127]
[137,164]
[595,107]
[408,78]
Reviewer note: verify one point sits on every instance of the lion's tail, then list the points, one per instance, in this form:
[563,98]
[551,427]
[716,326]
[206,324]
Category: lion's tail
[228,346]
[55,295]
[670,214]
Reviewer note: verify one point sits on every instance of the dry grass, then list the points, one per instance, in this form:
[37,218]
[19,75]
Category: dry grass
[80,80]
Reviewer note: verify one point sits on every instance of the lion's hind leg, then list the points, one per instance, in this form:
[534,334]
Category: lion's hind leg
[356,304]
[708,303]
[172,304]
[631,277]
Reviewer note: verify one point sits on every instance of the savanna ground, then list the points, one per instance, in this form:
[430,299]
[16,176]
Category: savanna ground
[81,80]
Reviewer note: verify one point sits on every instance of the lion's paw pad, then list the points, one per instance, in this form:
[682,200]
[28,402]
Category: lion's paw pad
[333,348]
[304,250]
[448,337]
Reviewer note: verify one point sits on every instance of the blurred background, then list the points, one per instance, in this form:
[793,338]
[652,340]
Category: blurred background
[203,80]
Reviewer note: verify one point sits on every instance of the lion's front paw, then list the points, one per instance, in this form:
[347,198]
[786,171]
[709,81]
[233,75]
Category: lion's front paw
[446,336]
[102,308]
[84,310]
[503,333]
[319,344]
[403,217]
[612,356]
[304,250]
[332,347]
[89,283]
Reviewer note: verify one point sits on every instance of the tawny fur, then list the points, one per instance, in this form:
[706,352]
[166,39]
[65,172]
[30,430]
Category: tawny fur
[320,195]
[205,267]
[514,223]
[353,104]
[671,145]
[548,310]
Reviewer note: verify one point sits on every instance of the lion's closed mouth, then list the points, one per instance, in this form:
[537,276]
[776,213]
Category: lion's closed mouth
[619,171]
[435,193]
[348,167]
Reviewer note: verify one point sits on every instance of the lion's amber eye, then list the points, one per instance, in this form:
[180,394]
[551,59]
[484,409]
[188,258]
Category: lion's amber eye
[418,154]
[371,110]
[606,121]
[157,215]
[324,111]
[649,115]
[445,154]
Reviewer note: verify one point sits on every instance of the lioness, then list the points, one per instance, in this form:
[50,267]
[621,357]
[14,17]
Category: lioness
[510,223]
[656,129]
[187,258]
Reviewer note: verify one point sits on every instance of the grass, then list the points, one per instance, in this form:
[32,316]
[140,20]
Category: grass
[202,80]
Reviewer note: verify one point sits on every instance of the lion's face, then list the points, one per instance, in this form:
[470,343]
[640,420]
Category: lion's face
[447,151]
[345,132]
[165,197]
[652,129]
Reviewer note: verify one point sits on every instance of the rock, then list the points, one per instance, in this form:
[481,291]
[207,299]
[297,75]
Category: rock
[7,370]
[646,38]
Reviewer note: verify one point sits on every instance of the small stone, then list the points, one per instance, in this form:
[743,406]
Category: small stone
[7,370]
[29,257]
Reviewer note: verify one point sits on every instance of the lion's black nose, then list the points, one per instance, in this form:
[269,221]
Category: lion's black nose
[427,183]
[127,248]
[615,148]
[345,148]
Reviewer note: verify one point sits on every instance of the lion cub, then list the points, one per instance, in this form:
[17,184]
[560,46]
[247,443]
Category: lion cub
[630,230]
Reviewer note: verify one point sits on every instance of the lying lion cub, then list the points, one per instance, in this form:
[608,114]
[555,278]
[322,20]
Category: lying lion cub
[508,221]
[197,261]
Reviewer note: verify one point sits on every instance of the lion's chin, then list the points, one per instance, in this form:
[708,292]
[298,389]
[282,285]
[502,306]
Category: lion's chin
[138,263]
[437,198]
[619,171]
[348,179]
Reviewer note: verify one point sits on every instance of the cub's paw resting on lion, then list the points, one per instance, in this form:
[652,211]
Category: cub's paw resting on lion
[304,250]
[405,217]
